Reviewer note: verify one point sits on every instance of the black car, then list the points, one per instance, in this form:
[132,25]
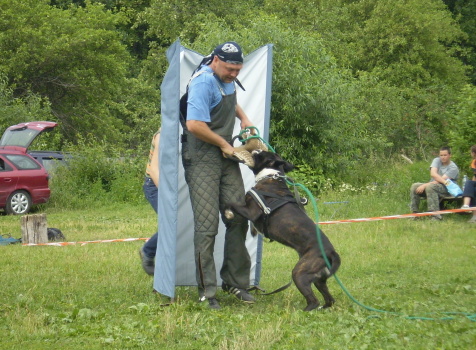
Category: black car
[50,159]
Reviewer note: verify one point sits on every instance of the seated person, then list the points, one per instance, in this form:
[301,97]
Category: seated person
[442,168]
[469,191]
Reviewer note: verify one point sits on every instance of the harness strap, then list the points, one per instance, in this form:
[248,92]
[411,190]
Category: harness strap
[267,206]
[260,200]
[299,200]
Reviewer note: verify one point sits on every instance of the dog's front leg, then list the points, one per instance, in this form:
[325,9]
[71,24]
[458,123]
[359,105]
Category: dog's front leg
[250,211]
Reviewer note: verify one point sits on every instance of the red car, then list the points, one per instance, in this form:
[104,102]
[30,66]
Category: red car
[23,181]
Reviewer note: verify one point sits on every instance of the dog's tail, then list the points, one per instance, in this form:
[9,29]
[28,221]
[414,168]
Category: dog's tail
[334,259]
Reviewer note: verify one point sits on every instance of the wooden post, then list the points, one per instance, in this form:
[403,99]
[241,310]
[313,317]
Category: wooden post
[34,229]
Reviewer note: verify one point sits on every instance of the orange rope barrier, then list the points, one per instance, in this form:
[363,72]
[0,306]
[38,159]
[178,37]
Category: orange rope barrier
[87,242]
[403,216]
[390,217]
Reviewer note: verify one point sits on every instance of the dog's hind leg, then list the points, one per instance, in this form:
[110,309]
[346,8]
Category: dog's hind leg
[321,281]
[303,277]
[321,285]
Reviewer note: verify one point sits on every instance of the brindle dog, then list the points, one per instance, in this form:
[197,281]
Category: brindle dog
[289,225]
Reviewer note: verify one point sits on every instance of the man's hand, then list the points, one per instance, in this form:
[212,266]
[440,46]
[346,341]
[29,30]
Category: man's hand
[247,124]
[204,133]
[228,150]
[420,189]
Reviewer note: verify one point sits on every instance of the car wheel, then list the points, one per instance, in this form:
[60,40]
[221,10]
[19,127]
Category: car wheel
[18,203]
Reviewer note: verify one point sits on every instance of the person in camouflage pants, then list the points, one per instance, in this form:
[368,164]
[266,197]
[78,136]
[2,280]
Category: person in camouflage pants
[442,168]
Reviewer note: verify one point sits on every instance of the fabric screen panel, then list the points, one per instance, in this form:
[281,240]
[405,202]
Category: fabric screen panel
[168,206]
[175,264]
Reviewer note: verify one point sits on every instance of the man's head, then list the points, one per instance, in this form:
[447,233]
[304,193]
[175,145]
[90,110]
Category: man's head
[227,61]
[445,155]
[229,52]
[473,151]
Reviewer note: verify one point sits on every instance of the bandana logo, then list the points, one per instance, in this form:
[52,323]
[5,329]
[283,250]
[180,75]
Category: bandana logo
[229,48]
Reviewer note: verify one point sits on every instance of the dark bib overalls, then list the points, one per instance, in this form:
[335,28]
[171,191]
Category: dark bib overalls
[215,181]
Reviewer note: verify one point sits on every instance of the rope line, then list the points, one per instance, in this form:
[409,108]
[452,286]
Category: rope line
[345,221]
[402,216]
[61,244]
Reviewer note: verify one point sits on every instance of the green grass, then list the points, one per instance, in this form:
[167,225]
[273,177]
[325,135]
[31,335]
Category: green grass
[96,296]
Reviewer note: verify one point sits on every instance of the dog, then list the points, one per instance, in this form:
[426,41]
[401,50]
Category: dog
[274,211]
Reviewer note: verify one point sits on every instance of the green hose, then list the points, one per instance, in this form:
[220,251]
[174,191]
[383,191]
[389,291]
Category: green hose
[256,136]
[471,317]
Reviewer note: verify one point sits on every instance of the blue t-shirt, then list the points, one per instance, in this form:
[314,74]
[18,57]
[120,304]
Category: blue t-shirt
[204,94]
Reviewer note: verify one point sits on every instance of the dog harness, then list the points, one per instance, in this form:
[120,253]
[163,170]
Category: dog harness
[267,201]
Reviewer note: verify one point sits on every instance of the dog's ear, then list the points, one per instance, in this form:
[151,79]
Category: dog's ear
[288,166]
[280,163]
[284,165]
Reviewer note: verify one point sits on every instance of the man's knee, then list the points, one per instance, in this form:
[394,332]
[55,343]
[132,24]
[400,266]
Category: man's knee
[414,187]
[431,188]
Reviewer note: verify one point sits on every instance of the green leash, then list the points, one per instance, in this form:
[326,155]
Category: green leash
[256,136]
[470,316]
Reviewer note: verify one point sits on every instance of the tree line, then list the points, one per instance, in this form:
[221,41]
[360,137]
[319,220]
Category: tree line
[351,79]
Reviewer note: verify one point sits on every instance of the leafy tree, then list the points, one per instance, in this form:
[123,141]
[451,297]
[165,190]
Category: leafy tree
[76,60]
[405,53]
[465,13]
[462,125]
[18,110]
[132,30]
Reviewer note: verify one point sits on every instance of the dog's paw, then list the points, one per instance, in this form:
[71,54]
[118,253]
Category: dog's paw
[229,214]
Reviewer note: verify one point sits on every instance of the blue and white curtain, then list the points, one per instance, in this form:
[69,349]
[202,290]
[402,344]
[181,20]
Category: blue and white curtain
[175,264]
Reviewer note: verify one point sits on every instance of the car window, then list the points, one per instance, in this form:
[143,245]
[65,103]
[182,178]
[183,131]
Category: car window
[22,162]
[19,137]
[50,164]
[4,166]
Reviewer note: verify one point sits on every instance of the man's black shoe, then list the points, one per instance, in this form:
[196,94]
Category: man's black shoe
[213,304]
[241,294]
[148,264]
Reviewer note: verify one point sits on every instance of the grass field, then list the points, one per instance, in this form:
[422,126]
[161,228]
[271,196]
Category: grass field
[96,296]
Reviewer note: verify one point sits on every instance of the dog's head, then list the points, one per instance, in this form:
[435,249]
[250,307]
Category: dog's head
[269,160]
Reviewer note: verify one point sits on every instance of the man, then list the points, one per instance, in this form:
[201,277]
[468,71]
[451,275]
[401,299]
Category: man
[151,183]
[469,191]
[441,169]
[213,179]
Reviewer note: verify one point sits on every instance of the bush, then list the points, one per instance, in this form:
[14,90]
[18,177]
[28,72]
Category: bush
[391,178]
[96,175]
[461,132]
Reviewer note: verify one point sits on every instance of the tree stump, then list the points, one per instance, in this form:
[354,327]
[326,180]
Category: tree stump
[33,228]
